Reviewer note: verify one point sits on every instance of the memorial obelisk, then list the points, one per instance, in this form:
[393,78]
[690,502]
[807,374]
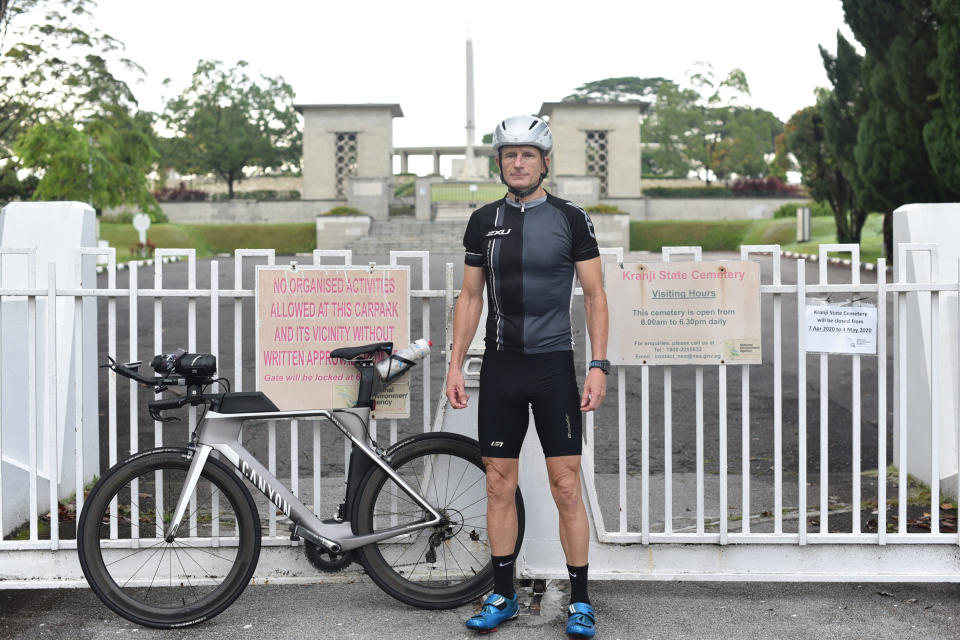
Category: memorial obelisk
[471,167]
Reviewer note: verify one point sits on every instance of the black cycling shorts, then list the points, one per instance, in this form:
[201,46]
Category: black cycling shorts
[509,384]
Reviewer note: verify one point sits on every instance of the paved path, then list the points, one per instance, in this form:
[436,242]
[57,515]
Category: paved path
[627,611]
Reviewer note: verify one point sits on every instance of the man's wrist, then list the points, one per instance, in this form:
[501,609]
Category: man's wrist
[601,364]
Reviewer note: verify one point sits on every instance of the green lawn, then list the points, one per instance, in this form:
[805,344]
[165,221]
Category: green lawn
[287,239]
[824,231]
[452,192]
[728,235]
[211,239]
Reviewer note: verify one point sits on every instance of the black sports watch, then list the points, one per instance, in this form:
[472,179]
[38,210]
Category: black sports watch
[603,365]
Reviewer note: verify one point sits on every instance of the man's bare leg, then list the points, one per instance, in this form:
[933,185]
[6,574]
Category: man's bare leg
[564,474]
[502,474]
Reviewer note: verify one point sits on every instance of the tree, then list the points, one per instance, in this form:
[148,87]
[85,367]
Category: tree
[618,90]
[941,134]
[840,110]
[669,122]
[104,161]
[753,133]
[55,64]
[12,187]
[822,173]
[906,74]
[710,144]
[699,127]
[227,121]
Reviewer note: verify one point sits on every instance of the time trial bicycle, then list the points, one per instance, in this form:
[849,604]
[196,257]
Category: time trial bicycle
[171,536]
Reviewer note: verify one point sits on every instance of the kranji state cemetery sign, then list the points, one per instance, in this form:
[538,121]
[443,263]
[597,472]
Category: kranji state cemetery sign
[305,312]
[684,313]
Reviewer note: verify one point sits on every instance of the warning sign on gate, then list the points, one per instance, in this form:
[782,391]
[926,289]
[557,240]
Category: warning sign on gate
[670,313]
[305,312]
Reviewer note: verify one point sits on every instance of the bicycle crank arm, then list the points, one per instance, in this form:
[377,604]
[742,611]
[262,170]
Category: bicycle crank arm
[319,541]
[193,476]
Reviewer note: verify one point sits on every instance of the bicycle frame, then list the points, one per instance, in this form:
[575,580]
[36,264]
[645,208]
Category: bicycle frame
[221,432]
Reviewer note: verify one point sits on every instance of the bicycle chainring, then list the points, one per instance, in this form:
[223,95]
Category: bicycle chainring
[326,560]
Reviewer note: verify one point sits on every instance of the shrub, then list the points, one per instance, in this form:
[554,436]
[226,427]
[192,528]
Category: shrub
[603,208]
[143,250]
[259,194]
[343,211]
[769,186]
[404,189]
[789,210]
[402,210]
[125,217]
[688,192]
[180,194]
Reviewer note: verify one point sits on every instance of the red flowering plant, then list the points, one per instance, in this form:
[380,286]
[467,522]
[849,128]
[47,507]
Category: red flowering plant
[143,249]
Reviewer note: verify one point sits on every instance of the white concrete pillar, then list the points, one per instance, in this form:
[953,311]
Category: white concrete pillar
[54,230]
[938,224]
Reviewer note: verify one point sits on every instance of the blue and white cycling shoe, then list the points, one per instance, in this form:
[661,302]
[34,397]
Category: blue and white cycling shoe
[581,620]
[496,609]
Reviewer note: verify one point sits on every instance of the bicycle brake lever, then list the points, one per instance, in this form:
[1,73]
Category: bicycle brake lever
[155,414]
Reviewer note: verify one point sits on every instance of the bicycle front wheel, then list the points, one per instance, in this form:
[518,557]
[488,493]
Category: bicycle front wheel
[147,580]
[438,567]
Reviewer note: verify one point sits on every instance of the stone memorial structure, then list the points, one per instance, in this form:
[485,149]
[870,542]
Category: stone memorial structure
[348,155]
[596,153]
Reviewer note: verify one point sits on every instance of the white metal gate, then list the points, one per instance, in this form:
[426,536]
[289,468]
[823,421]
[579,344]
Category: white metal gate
[639,514]
[772,540]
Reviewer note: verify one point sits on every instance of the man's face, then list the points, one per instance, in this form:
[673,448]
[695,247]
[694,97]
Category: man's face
[522,166]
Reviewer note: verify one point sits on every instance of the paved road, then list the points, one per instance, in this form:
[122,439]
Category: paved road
[626,610]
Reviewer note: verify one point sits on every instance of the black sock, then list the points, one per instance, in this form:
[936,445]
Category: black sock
[578,584]
[503,575]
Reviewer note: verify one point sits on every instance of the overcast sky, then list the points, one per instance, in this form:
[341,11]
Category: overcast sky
[525,53]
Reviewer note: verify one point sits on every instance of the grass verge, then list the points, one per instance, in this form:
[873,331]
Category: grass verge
[211,239]
[729,235]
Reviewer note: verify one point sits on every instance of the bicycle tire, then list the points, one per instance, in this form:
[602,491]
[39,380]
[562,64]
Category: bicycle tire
[119,578]
[461,568]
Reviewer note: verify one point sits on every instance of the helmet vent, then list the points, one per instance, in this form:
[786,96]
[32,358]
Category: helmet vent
[533,124]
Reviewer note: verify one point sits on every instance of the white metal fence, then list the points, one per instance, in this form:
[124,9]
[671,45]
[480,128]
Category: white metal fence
[629,506]
[125,430]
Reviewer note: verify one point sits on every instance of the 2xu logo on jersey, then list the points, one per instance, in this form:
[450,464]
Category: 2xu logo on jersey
[498,232]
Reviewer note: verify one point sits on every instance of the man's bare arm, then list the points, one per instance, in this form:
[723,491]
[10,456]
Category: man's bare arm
[466,315]
[595,305]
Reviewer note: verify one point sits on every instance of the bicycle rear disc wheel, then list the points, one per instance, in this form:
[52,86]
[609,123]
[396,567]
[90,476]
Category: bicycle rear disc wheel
[147,580]
[437,567]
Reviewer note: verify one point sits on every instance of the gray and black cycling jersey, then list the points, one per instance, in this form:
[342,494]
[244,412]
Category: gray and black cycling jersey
[528,252]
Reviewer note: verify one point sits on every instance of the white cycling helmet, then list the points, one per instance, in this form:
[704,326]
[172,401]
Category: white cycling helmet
[526,131]
[523,131]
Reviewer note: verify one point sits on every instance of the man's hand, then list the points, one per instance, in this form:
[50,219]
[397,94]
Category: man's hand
[594,390]
[455,392]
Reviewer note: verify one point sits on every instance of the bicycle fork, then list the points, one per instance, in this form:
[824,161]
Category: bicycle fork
[200,455]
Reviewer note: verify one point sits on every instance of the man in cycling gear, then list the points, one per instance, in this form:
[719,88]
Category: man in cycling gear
[525,249]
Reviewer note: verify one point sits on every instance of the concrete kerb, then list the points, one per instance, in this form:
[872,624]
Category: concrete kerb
[809,257]
[102,268]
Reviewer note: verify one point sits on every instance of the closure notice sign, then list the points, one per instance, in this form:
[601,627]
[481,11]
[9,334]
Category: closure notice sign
[668,313]
[305,312]
[841,329]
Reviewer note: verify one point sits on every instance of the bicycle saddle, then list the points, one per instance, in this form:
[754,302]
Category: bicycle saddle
[351,353]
